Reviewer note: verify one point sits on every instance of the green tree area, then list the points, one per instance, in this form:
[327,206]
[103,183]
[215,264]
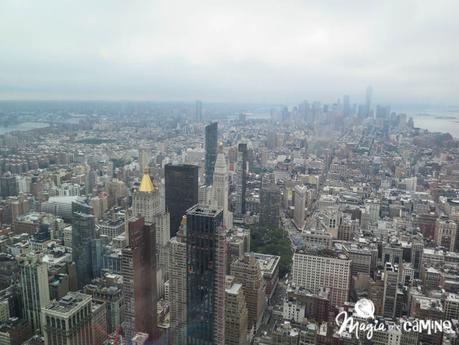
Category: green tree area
[118,162]
[272,241]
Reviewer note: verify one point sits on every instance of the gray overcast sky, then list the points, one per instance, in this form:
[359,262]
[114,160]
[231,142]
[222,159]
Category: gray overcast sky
[232,50]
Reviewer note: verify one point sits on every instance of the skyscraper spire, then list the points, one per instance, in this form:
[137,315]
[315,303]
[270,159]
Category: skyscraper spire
[220,185]
[146,185]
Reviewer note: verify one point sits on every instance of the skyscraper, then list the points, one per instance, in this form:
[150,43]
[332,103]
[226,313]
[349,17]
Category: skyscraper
[138,267]
[247,272]
[211,150]
[83,234]
[368,96]
[221,186]
[198,111]
[146,202]
[241,179]
[391,276]
[181,192]
[144,158]
[417,250]
[34,287]
[205,250]
[300,205]
[8,185]
[177,283]
[346,106]
[235,315]
[270,200]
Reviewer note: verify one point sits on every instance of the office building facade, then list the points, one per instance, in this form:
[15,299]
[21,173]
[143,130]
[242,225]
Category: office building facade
[181,192]
[205,250]
[211,133]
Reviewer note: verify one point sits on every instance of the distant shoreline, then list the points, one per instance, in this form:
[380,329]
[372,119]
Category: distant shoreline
[23,127]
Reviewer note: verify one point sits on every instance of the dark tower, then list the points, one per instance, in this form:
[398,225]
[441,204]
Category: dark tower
[270,200]
[205,250]
[211,151]
[138,268]
[181,192]
[83,235]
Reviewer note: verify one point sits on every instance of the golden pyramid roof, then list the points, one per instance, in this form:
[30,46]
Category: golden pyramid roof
[146,185]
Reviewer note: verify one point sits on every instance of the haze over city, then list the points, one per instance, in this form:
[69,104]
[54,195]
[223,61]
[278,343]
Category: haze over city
[237,51]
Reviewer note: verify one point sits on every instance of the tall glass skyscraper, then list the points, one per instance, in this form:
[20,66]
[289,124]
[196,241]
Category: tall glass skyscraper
[211,151]
[181,192]
[83,234]
[205,250]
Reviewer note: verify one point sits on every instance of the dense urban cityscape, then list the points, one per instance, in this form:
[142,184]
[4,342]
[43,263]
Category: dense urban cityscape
[177,223]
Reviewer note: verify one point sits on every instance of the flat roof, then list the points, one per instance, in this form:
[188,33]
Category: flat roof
[267,262]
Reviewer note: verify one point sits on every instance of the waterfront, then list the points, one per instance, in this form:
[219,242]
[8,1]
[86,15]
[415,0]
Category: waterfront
[438,122]
[24,126]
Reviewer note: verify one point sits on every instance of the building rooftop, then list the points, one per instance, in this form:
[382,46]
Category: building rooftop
[234,289]
[68,303]
[203,210]
[267,262]
[323,252]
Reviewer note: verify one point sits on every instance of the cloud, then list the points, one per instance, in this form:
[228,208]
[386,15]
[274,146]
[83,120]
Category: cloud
[274,51]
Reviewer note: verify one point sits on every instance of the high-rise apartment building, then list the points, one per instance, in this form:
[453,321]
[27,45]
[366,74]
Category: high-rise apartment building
[138,268]
[182,190]
[83,235]
[205,248]
[34,287]
[236,315]
[246,271]
[211,150]
[317,269]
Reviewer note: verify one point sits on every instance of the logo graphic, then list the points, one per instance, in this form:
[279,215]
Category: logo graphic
[364,308]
